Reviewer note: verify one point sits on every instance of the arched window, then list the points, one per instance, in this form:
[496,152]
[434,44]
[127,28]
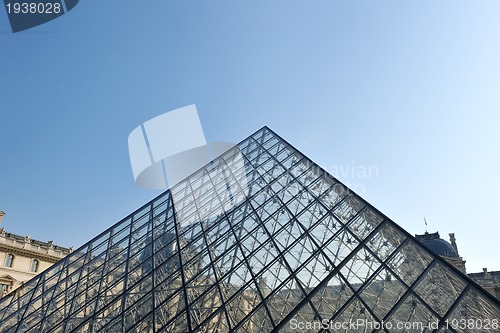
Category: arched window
[9,260]
[34,265]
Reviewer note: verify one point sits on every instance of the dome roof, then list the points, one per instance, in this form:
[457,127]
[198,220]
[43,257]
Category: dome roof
[437,245]
[441,247]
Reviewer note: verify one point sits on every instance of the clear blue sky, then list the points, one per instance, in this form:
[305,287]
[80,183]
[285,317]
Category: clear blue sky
[408,91]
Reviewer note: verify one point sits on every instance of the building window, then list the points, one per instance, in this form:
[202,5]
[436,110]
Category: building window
[34,265]
[4,288]
[9,260]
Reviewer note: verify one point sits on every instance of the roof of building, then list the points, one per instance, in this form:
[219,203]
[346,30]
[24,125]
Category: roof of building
[494,276]
[436,244]
[27,239]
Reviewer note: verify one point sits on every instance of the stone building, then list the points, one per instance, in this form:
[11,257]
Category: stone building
[447,250]
[21,258]
[489,281]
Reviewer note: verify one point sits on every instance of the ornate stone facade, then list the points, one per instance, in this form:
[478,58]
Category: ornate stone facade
[21,258]
[490,281]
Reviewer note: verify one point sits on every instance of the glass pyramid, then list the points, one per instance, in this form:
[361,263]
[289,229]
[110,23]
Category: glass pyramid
[299,253]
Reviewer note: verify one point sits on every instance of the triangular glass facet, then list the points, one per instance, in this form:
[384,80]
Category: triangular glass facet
[267,243]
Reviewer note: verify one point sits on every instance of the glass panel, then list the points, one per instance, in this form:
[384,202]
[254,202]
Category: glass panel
[382,292]
[284,300]
[359,268]
[385,241]
[409,262]
[363,224]
[412,316]
[356,317]
[340,246]
[348,208]
[258,321]
[306,320]
[330,298]
[440,287]
[474,313]
[333,195]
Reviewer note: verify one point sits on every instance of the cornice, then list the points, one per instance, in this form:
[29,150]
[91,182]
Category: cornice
[31,253]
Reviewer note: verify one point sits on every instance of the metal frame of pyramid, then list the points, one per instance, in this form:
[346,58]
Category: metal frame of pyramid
[296,252]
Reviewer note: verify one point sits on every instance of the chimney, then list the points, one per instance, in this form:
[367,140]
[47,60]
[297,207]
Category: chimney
[2,214]
[453,242]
